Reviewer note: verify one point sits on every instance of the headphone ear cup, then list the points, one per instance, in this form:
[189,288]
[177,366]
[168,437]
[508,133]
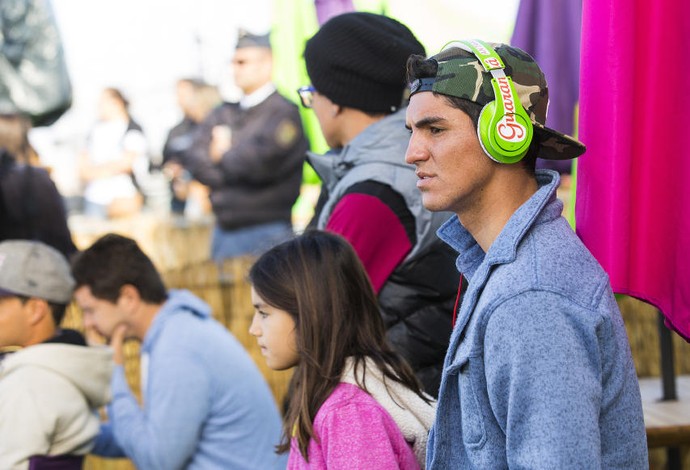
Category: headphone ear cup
[484,126]
[489,140]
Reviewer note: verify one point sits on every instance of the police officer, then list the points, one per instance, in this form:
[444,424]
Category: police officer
[250,153]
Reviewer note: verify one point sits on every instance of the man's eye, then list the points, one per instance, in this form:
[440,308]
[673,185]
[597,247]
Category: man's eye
[435,130]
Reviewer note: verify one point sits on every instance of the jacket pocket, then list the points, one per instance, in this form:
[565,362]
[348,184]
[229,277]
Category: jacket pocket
[471,418]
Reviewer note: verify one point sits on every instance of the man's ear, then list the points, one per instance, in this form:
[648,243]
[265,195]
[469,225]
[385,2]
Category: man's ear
[129,299]
[37,309]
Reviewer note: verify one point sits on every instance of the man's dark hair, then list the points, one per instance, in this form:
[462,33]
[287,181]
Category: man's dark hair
[419,66]
[114,261]
[57,310]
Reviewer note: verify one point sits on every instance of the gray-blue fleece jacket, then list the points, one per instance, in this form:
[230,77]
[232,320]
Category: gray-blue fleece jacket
[539,373]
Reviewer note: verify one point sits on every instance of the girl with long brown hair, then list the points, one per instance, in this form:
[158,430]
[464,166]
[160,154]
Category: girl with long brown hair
[353,402]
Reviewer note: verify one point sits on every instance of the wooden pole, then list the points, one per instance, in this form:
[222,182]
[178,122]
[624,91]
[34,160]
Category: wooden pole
[668,383]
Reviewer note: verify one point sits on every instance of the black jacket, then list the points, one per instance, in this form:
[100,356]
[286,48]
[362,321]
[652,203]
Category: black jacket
[417,304]
[258,180]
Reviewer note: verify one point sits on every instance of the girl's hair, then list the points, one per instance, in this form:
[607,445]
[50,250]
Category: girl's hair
[118,95]
[318,279]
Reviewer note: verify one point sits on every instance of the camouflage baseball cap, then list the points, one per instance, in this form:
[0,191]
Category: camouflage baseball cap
[460,74]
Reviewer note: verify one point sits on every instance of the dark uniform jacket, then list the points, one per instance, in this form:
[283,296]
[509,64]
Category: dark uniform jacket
[258,180]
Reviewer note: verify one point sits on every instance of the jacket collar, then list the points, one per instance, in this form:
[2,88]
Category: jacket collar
[179,302]
[257,97]
[543,206]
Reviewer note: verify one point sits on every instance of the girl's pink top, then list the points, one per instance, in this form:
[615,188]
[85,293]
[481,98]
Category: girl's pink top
[354,432]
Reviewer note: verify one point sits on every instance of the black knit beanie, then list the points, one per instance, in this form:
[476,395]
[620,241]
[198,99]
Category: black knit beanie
[358,60]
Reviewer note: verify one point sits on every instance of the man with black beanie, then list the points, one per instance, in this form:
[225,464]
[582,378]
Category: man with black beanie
[356,63]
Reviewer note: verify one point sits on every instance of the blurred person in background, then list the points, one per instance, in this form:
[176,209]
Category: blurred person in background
[196,100]
[114,159]
[31,207]
[250,153]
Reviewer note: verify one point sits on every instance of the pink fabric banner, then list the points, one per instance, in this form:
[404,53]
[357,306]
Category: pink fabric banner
[633,190]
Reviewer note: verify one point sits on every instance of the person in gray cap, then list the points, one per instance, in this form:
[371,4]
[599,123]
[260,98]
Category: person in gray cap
[250,154]
[356,64]
[51,388]
[539,372]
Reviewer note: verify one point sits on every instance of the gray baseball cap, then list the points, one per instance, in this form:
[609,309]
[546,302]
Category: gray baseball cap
[34,269]
[248,39]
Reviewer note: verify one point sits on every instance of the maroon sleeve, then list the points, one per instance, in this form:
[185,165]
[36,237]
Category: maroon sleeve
[374,231]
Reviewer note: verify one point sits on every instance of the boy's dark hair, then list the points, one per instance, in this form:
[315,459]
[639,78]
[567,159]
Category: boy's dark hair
[56,310]
[114,261]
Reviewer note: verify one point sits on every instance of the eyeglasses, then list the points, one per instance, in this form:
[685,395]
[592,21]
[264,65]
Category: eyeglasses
[306,95]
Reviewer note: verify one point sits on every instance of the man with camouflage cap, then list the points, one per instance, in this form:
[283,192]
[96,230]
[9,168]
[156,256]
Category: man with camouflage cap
[538,373]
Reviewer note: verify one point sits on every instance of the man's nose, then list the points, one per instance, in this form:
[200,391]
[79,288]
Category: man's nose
[415,151]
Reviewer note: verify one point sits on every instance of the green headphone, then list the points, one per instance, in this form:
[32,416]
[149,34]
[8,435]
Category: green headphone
[505,129]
